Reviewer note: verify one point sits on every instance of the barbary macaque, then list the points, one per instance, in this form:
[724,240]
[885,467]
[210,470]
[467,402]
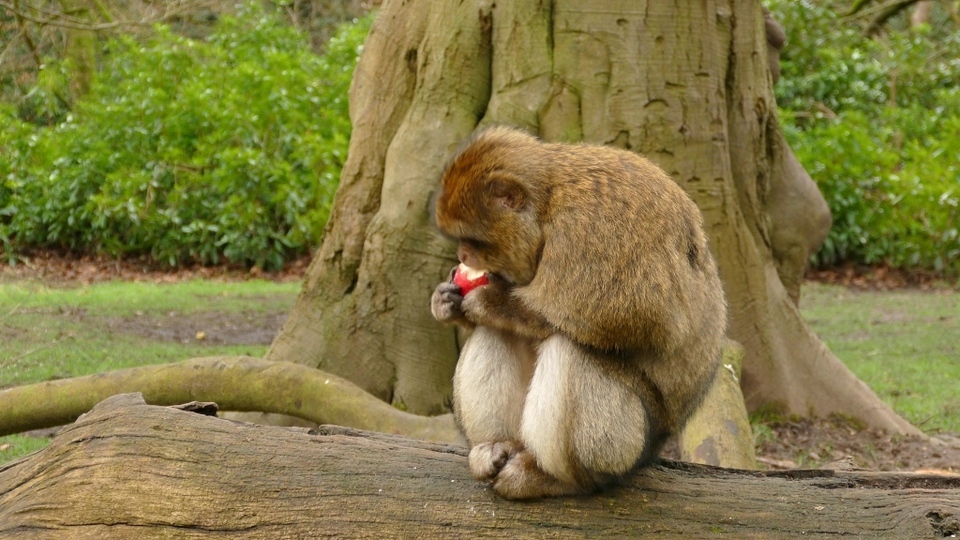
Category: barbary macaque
[600,326]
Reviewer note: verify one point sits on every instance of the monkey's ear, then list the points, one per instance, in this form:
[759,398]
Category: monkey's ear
[506,191]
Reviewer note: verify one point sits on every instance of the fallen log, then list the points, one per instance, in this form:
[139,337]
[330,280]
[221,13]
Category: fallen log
[131,470]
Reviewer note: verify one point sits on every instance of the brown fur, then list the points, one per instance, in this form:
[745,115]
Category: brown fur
[600,267]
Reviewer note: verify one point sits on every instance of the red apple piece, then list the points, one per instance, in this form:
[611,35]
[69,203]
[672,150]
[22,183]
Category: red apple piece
[468,278]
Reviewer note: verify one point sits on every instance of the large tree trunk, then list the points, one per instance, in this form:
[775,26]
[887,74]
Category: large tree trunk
[363,308]
[685,83]
[129,470]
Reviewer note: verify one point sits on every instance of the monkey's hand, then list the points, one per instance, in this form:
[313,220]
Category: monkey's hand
[446,304]
[494,306]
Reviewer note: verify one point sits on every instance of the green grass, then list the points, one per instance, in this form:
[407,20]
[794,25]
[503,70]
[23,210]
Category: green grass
[49,332]
[904,344]
[17,446]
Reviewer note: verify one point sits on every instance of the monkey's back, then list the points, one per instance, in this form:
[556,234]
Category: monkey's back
[640,274]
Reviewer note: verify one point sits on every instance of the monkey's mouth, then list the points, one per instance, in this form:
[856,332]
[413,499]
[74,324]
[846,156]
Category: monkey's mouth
[471,274]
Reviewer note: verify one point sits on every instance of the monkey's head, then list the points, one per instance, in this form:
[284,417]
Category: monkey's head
[490,202]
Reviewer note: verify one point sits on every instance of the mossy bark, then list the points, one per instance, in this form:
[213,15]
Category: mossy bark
[687,84]
[719,433]
[234,383]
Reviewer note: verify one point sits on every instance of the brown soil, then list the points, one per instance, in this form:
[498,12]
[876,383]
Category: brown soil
[803,443]
[880,278]
[64,268]
[210,328]
[837,443]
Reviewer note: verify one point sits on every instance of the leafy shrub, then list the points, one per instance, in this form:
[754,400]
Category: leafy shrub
[223,149]
[877,124]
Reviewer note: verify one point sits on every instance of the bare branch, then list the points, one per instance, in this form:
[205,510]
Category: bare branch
[62,20]
[47,17]
[878,14]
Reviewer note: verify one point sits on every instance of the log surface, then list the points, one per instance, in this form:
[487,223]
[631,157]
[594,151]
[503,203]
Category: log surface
[131,470]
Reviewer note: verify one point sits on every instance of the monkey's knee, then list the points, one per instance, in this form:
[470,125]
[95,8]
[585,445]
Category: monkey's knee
[612,433]
[583,425]
[614,436]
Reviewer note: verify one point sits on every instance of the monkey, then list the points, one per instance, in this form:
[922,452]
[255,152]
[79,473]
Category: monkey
[601,324]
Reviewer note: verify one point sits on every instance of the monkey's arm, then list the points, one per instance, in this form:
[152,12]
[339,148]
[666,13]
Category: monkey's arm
[494,306]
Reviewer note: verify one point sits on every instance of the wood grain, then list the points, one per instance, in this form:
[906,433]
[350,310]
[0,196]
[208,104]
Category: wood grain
[131,470]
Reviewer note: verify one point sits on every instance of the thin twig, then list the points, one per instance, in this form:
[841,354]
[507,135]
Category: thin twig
[65,21]
[17,359]
[12,311]
[62,20]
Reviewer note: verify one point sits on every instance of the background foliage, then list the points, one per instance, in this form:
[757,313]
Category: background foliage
[210,149]
[186,150]
[876,122]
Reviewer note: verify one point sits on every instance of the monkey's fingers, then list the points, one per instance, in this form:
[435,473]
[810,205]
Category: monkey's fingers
[453,297]
[448,287]
[446,306]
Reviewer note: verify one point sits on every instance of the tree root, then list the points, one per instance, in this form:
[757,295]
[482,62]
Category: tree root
[237,383]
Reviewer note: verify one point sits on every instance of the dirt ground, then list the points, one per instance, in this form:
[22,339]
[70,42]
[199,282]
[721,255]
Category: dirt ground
[219,328]
[837,443]
[804,443]
[62,269]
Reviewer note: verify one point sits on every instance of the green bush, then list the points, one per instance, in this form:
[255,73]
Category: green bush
[227,149]
[876,122]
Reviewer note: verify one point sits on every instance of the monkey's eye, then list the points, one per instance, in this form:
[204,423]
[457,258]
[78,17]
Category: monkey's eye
[474,243]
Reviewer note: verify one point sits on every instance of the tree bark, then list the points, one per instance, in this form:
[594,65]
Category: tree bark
[719,432]
[686,84]
[363,312]
[130,470]
[921,13]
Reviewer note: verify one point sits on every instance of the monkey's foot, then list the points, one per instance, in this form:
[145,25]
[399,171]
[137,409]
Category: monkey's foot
[486,459]
[522,478]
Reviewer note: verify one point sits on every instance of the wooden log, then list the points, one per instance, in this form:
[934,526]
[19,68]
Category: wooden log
[131,470]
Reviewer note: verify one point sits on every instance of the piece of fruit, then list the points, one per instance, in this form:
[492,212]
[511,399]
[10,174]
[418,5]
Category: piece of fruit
[468,278]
